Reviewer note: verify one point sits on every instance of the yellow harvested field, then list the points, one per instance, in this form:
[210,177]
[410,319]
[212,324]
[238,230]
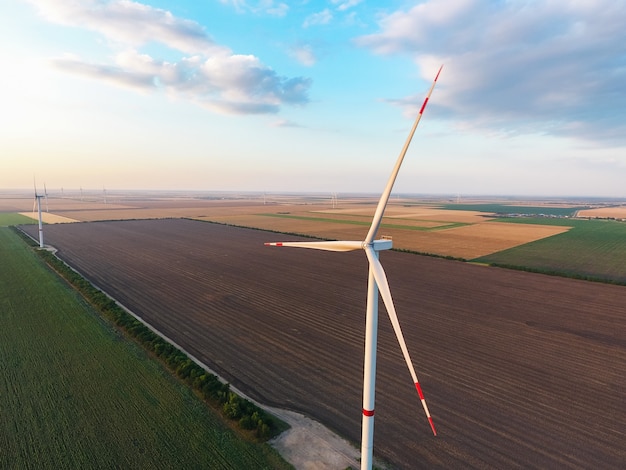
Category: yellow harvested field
[473,241]
[604,212]
[49,218]
[466,242]
[424,228]
[422,213]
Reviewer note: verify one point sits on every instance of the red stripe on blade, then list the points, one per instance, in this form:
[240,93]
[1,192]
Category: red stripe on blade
[424,105]
[419,390]
[368,412]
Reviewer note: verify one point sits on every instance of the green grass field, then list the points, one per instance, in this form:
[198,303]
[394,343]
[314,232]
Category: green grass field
[8,218]
[76,394]
[510,209]
[592,249]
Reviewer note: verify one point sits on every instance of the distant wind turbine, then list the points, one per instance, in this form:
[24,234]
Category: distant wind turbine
[377,281]
[45,192]
[37,201]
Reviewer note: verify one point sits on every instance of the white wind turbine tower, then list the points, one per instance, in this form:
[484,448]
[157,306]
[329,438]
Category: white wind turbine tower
[377,281]
[38,202]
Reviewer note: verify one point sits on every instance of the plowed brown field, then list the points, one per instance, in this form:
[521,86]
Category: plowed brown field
[520,370]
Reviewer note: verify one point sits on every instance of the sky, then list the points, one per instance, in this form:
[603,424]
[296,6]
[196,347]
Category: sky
[314,96]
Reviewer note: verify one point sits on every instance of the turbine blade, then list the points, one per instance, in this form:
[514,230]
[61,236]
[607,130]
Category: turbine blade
[322,245]
[385,293]
[384,198]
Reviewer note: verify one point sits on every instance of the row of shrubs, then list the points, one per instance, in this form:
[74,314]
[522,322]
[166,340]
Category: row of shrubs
[215,392]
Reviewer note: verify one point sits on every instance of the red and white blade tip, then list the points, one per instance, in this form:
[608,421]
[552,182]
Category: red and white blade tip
[423,400]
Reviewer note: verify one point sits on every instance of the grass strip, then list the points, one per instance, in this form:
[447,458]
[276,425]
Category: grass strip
[11,218]
[513,209]
[76,395]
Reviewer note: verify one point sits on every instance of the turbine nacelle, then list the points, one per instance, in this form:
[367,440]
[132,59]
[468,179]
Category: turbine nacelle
[382,244]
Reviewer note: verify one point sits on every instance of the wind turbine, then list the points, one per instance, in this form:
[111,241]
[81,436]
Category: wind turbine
[45,192]
[377,282]
[38,202]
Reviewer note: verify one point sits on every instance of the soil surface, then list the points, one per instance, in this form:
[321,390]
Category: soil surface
[308,445]
[520,370]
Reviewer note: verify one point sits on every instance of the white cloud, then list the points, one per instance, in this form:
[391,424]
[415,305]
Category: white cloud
[232,84]
[304,54]
[322,17]
[285,123]
[269,7]
[552,67]
[108,73]
[239,5]
[129,23]
[210,74]
[278,9]
[343,5]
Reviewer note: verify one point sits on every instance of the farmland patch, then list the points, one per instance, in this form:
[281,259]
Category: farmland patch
[410,224]
[592,249]
[497,351]
[547,210]
[414,225]
[48,218]
[7,219]
[462,234]
[618,212]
